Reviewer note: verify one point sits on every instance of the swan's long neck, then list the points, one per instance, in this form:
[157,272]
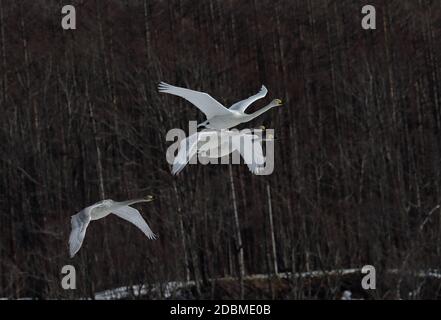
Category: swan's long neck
[258,112]
[133,201]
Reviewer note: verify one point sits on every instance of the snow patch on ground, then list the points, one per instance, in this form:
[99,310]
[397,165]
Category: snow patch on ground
[169,288]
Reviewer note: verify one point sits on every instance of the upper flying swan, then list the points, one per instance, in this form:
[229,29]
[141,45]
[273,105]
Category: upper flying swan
[219,117]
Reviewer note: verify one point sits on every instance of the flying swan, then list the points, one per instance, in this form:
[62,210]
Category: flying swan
[101,209]
[216,144]
[219,117]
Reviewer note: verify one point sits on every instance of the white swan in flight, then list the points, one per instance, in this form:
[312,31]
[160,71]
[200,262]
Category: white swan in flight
[218,116]
[101,209]
[216,144]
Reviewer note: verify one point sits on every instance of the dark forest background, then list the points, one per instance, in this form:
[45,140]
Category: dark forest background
[357,162]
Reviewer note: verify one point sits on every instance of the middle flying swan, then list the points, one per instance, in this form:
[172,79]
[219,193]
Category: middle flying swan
[218,116]
[217,144]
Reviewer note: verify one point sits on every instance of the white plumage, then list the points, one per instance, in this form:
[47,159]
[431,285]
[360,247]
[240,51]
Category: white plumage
[218,116]
[101,209]
[216,144]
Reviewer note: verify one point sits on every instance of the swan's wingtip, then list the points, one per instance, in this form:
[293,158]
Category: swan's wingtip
[162,86]
[72,251]
[175,170]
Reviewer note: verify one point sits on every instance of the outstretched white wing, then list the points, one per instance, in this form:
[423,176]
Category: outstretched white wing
[188,148]
[250,150]
[132,215]
[203,101]
[241,106]
[79,223]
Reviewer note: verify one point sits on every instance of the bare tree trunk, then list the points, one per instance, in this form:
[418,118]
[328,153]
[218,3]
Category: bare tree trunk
[3,52]
[99,165]
[182,234]
[146,33]
[271,225]
[239,246]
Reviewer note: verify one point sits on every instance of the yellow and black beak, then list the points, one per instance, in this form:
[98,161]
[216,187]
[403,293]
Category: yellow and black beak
[280,103]
[150,198]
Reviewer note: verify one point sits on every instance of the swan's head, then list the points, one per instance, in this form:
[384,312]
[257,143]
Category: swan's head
[269,136]
[276,102]
[150,198]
